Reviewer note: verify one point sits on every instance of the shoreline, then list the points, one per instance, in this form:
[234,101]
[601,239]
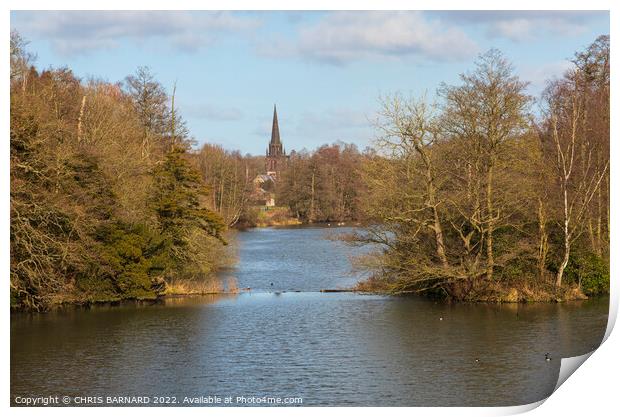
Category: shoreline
[294,221]
[509,294]
[160,299]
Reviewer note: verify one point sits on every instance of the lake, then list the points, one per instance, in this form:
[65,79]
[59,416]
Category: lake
[285,339]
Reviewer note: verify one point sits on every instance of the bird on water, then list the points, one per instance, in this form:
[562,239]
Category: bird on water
[547,357]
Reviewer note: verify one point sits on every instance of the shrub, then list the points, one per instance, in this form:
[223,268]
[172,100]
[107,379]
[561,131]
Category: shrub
[590,271]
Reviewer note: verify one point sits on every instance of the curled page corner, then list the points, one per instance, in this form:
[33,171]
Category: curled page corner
[521,409]
[567,367]
[612,315]
[570,365]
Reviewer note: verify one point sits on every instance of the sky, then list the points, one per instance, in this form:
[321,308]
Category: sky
[326,71]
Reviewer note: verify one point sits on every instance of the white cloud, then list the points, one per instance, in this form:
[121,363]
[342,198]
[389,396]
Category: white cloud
[515,29]
[524,25]
[340,37]
[528,29]
[539,76]
[77,32]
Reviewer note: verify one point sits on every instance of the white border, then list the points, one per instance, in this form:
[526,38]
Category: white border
[591,392]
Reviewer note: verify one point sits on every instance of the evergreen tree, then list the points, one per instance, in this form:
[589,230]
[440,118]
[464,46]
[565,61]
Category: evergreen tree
[177,201]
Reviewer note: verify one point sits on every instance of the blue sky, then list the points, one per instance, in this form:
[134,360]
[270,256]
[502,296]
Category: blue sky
[325,70]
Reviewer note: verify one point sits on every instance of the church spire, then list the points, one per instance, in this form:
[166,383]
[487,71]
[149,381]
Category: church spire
[275,130]
[275,151]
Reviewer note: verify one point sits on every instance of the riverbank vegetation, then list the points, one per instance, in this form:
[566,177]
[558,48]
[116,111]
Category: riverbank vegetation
[107,202]
[484,193]
[262,216]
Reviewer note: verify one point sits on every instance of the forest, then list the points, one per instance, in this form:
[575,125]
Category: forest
[477,193]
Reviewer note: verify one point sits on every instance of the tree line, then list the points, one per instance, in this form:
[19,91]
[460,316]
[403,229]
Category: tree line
[107,201]
[322,186]
[485,193]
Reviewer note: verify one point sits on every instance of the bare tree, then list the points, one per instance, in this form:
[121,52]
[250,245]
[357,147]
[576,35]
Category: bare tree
[409,132]
[21,59]
[229,187]
[572,150]
[485,112]
[150,100]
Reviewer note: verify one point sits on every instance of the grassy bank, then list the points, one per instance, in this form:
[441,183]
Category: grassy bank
[226,285]
[176,287]
[261,216]
[494,292]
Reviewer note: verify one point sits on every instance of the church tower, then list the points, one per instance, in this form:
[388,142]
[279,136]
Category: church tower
[275,155]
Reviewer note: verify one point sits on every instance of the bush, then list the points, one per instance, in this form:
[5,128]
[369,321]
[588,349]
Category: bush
[521,267]
[249,217]
[590,271]
[126,263]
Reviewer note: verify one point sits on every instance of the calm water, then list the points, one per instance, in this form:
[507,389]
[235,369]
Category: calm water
[328,348]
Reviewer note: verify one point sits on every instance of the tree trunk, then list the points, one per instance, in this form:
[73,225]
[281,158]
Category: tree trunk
[591,234]
[558,280]
[543,247]
[608,196]
[80,117]
[490,224]
[599,221]
[311,219]
[441,249]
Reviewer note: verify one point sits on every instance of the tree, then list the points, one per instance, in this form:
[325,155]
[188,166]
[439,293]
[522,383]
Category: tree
[410,131]
[21,59]
[177,200]
[319,186]
[573,149]
[484,113]
[593,69]
[150,101]
[229,180]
